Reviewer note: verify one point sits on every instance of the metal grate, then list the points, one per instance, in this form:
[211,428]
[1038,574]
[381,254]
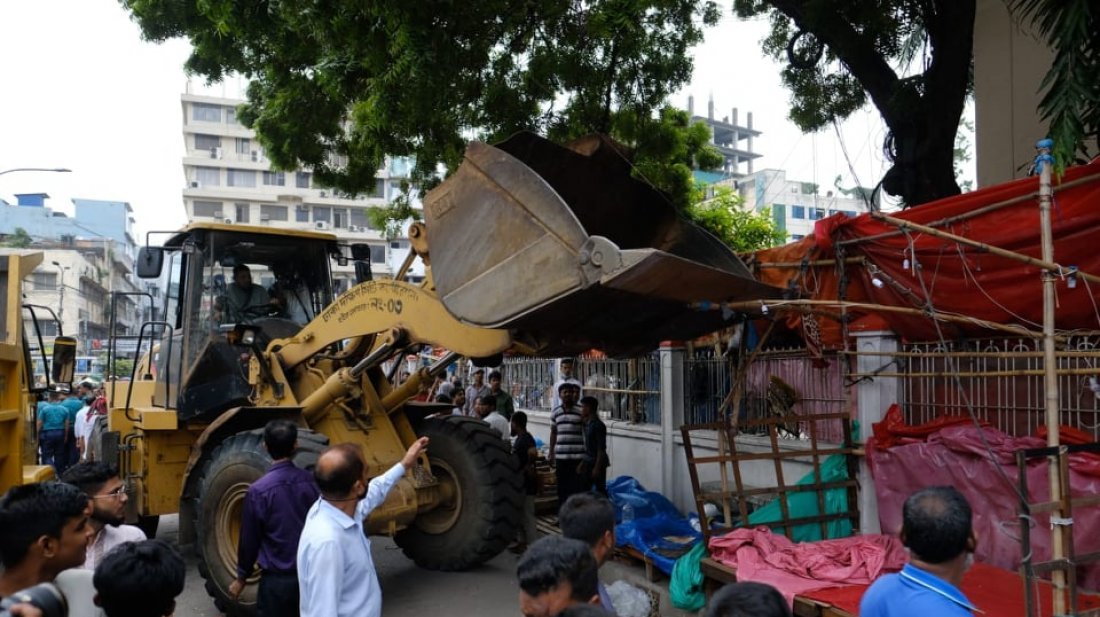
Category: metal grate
[1002,379]
[776,383]
[627,389]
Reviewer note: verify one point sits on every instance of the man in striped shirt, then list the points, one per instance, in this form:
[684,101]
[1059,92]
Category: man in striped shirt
[567,441]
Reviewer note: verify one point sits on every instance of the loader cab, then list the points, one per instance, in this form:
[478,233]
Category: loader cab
[220,276]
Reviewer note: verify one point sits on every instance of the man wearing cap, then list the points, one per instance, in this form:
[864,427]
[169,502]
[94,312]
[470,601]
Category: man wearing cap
[476,390]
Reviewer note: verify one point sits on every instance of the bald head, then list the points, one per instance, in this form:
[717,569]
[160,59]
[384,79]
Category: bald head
[338,469]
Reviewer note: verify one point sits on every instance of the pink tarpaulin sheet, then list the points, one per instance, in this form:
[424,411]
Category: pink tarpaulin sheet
[762,556]
[956,456]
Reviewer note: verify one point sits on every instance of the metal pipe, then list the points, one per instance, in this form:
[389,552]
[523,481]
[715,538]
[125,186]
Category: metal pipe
[407,390]
[337,384]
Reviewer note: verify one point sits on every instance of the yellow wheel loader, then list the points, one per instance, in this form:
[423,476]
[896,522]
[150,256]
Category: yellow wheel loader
[530,247]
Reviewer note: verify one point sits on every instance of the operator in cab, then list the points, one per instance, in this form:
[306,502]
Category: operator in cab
[243,300]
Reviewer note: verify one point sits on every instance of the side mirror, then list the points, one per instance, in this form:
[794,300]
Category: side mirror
[360,252]
[150,261]
[363,272]
[63,366]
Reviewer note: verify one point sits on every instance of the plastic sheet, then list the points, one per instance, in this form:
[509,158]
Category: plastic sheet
[686,585]
[804,504]
[658,530]
[957,456]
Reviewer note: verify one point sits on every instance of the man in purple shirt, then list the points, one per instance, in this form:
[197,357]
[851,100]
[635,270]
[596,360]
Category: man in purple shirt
[275,510]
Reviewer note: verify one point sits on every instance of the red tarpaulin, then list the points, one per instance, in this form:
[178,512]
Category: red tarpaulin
[959,279]
[903,463]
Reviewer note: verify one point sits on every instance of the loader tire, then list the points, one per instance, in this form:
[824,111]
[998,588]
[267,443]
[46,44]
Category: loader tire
[482,516]
[226,475]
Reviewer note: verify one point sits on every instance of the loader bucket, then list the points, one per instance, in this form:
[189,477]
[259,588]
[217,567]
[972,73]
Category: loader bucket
[562,246]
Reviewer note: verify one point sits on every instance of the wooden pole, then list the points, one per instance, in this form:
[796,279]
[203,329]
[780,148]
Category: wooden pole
[1058,576]
[1045,263]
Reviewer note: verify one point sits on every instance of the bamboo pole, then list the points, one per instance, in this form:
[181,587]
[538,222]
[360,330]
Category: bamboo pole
[1018,373]
[801,305]
[813,264]
[1058,577]
[1045,263]
[976,212]
[1004,355]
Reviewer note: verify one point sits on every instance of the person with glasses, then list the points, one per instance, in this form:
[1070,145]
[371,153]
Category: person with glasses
[100,482]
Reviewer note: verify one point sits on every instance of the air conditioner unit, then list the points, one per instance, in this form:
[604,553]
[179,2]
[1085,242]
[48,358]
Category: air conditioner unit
[264,218]
[217,215]
[216,153]
[195,184]
[352,228]
[255,156]
[322,224]
[324,194]
[228,221]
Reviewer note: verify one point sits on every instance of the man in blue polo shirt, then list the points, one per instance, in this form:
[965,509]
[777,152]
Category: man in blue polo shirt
[53,425]
[936,528]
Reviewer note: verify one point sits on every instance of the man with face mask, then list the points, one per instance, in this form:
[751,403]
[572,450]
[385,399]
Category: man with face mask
[100,482]
[936,528]
[336,576]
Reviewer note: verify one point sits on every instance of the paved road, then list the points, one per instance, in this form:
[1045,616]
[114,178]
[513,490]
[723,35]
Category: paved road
[489,591]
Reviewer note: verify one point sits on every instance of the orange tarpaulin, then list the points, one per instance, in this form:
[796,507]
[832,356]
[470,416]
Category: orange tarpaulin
[958,279]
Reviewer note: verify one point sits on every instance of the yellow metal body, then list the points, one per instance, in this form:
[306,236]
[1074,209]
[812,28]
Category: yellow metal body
[159,454]
[17,443]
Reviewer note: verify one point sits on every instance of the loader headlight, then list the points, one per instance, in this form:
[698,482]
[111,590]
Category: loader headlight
[241,334]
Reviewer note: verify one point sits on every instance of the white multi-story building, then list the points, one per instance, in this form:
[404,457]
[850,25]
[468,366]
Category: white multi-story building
[796,206]
[230,180]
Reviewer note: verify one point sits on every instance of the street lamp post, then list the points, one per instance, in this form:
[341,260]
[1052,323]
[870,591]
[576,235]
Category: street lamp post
[59,170]
[61,293]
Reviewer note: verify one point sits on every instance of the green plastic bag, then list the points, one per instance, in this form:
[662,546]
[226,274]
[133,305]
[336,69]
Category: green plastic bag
[686,587]
[804,504]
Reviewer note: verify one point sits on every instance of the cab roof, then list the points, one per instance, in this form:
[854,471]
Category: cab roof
[178,239]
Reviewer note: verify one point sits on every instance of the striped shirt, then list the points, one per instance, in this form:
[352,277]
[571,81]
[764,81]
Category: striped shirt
[570,443]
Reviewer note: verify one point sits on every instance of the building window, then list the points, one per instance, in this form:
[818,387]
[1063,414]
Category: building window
[798,212]
[241,177]
[231,116]
[797,236]
[301,179]
[244,145]
[322,213]
[273,213]
[359,217]
[340,218]
[301,214]
[207,142]
[378,253]
[208,176]
[274,178]
[379,188]
[242,212]
[817,214]
[210,209]
[45,280]
[204,112]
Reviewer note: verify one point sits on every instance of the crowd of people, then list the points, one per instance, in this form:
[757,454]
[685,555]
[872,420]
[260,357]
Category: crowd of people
[304,531]
[65,420]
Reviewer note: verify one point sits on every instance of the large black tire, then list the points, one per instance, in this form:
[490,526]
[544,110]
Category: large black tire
[484,512]
[226,475]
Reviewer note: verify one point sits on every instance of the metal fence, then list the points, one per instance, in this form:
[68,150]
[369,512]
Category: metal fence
[628,389]
[1001,381]
[779,382]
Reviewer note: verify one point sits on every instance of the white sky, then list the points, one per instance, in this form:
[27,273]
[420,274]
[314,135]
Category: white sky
[81,90]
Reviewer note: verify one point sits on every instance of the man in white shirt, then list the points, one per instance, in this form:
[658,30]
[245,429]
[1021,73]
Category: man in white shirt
[100,482]
[336,576]
[487,410]
[565,369]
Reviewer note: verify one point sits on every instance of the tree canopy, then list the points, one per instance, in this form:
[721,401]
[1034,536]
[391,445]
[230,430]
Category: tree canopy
[742,229]
[913,59]
[338,86]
